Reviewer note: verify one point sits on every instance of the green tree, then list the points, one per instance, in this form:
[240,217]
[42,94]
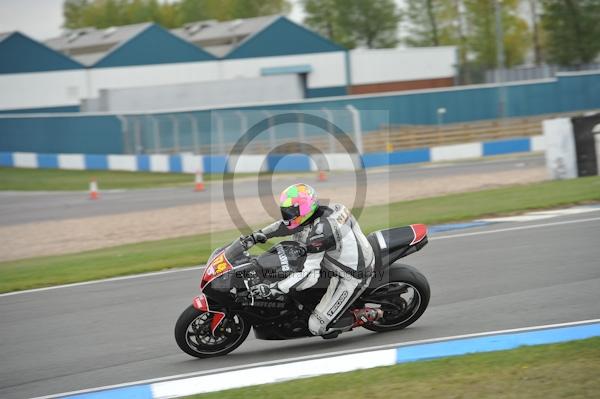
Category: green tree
[572,30]
[106,13]
[481,37]
[224,10]
[73,11]
[432,22]
[354,23]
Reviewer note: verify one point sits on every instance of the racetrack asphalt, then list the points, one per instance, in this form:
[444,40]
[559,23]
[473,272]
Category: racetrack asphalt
[26,207]
[113,332]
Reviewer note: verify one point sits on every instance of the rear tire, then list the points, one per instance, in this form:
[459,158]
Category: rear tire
[400,278]
[193,336]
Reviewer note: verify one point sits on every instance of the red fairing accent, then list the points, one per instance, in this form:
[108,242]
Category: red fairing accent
[201,303]
[216,320]
[217,266]
[419,231]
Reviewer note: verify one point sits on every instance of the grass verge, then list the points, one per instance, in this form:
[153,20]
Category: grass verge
[568,370]
[185,251]
[21,179]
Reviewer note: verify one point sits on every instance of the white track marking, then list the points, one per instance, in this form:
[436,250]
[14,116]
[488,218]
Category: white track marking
[322,355]
[533,226]
[539,215]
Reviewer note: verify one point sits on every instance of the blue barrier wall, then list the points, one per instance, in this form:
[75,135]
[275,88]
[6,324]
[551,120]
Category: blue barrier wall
[102,134]
[60,134]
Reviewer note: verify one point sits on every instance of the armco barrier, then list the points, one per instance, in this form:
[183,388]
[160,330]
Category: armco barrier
[270,372]
[187,163]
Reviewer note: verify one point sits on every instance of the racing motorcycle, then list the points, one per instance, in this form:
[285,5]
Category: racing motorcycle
[229,306]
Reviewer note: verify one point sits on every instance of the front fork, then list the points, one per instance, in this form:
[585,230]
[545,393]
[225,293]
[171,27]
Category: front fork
[200,302]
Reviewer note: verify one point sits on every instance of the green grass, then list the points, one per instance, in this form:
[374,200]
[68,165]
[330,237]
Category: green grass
[186,251]
[568,370]
[78,180]
[467,206]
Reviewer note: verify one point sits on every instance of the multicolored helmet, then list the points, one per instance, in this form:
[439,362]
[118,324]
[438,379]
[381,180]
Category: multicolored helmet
[298,203]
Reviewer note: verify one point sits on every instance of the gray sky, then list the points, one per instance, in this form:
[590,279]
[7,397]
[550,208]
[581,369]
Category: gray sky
[40,19]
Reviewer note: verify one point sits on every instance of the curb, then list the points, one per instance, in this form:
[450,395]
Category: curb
[337,363]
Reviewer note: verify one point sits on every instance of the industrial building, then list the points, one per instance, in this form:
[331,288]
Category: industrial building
[206,64]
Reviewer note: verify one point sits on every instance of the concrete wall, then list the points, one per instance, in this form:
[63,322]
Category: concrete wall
[328,69]
[327,76]
[201,94]
[41,89]
[393,65]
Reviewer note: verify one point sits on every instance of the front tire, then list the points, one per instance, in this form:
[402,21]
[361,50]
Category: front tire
[406,294]
[193,335]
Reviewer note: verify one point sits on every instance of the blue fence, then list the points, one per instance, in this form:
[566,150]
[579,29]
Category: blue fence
[103,134]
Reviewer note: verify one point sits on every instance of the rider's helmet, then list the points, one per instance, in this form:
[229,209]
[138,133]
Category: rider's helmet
[298,203]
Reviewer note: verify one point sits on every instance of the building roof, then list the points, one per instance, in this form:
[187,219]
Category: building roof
[137,44]
[270,35]
[282,37]
[220,38]
[4,35]
[89,45]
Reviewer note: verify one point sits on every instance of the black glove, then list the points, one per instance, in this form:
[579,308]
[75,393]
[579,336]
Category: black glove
[259,237]
[254,238]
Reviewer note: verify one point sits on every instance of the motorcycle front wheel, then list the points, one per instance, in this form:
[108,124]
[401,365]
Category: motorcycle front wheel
[193,334]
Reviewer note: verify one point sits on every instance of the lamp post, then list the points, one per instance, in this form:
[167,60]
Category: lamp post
[500,62]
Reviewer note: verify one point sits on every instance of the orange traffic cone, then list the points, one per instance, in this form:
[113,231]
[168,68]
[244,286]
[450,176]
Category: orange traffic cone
[199,183]
[94,195]
[322,176]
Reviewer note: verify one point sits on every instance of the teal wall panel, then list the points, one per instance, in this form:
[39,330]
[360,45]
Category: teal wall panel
[283,37]
[61,134]
[154,45]
[20,54]
[102,134]
[43,110]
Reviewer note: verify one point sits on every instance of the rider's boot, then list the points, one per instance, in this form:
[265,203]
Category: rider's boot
[366,315]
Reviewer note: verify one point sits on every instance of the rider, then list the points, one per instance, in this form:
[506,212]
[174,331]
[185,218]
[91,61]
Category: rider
[334,240]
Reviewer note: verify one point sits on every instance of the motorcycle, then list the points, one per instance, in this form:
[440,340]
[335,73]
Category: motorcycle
[228,307]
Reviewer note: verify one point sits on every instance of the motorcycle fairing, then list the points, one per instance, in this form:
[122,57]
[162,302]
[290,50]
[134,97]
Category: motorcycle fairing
[217,266]
[392,244]
[201,303]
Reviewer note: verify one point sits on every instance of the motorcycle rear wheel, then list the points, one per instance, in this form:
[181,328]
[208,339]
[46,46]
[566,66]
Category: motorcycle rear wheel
[407,296]
[193,335]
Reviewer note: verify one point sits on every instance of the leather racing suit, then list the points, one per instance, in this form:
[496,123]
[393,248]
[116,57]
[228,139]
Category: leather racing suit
[333,240]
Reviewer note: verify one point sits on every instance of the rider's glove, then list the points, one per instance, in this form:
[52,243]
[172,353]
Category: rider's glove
[254,238]
[259,237]
[266,291]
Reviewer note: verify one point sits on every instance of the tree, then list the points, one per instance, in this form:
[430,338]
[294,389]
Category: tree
[73,11]
[572,29]
[481,39]
[536,34]
[354,23]
[106,13]
[433,22]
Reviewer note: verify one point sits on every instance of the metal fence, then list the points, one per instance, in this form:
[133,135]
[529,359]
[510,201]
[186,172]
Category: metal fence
[216,132]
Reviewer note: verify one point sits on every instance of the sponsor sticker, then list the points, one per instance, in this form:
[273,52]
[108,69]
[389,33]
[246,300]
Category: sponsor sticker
[337,303]
[283,260]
